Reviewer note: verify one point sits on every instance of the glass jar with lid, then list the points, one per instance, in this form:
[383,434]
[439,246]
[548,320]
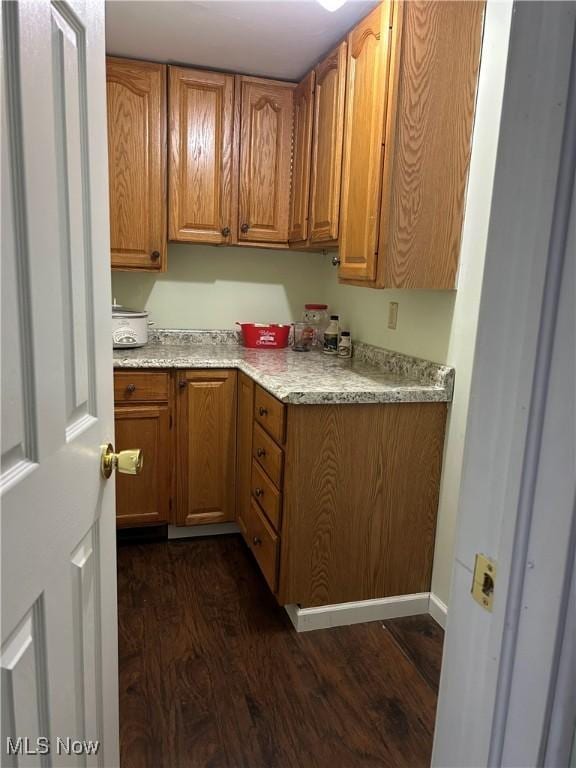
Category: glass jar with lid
[317,317]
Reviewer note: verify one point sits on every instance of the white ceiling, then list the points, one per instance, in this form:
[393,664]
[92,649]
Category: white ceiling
[270,38]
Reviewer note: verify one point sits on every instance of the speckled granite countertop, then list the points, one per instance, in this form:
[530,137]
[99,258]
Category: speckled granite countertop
[373,375]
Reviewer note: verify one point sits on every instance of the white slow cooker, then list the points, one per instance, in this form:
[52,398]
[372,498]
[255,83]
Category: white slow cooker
[129,327]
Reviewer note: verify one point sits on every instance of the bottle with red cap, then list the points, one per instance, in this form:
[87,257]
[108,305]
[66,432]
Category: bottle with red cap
[316,315]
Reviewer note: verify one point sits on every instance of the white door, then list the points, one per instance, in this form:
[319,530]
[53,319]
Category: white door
[508,685]
[59,635]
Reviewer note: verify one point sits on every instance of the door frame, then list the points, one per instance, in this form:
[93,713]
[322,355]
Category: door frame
[501,688]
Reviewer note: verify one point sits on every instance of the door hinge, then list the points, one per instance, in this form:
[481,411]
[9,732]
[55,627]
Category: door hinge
[484,581]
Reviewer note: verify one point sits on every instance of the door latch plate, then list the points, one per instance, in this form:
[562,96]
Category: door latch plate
[484,581]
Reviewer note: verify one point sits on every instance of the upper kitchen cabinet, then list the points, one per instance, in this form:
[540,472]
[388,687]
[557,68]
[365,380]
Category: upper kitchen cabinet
[411,89]
[201,108]
[327,140]
[302,147]
[136,92]
[366,100]
[265,153]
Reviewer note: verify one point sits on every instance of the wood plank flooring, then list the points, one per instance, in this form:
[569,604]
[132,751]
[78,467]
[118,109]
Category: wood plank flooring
[212,674]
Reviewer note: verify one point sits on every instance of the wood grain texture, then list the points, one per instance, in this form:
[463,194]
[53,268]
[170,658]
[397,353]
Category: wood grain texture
[245,421]
[429,135]
[301,152]
[141,386]
[268,455]
[201,109]
[270,414]
[136,96]
[265,159]
[360,501]
[327,146]
[144,499]
[266,494]
[212,673]
[421,640]
[206,442]
[366,101]
[264,544]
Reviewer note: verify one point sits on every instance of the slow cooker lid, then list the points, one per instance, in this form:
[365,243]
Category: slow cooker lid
[119,311]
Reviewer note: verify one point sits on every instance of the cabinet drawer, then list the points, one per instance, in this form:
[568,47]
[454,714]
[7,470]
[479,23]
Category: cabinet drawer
[268,455]
[271,414]
[263,542]
[266,493]
[141,386]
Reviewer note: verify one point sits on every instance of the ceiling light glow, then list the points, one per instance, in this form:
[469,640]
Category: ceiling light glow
[331,5]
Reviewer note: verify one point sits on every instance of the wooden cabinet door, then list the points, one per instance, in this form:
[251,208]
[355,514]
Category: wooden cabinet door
[206,443]
[136,92]
[366,101]
[201,106]
[302,147]
[327,142]
[244,447]
[265,156]
[145,498]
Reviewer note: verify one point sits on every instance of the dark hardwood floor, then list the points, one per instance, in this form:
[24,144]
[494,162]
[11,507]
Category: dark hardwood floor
[213,674]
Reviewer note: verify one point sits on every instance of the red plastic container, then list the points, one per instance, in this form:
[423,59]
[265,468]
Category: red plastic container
[259,336]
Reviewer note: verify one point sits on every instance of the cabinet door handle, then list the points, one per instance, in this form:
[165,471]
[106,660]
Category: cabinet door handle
[258,492]
[245,227]
[335,261]
[263,411]
[155,255]
[131,388]
[256,541]
[261,452]
[182,384]
[225,231]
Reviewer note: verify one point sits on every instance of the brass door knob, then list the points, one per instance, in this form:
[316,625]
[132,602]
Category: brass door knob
[129,462]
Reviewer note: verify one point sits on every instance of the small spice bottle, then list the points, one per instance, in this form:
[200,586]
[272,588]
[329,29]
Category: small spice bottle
[331,336]
[345,345]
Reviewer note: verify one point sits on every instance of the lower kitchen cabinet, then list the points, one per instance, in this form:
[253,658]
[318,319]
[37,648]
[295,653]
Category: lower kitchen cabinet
[244,447]
[343,498]
[144,499]
[206,446]
[337,503]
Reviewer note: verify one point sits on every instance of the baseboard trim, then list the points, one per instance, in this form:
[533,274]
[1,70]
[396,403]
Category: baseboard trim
[342,614]
[438,610]
[192,531]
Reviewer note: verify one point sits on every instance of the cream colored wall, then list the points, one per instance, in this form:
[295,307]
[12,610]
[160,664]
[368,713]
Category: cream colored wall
[424,317]
[462,339]
[210,287]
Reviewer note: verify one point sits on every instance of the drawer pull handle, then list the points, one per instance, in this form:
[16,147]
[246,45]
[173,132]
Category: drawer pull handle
[263,411]
[182,384]
[256,541]
[261,452]
[258,492]
[131,388]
